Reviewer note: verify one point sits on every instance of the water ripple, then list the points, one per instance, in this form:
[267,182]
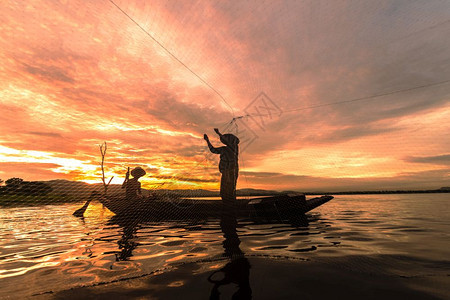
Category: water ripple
[50,247]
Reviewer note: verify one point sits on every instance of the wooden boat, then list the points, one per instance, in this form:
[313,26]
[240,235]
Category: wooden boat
[167,208]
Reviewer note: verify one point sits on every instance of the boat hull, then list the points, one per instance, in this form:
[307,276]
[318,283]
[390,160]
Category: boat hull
[278,207]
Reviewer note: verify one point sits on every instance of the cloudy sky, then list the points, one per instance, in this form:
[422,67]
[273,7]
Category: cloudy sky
[74,74]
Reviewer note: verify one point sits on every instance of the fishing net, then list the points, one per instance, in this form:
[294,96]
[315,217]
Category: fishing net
[325,97]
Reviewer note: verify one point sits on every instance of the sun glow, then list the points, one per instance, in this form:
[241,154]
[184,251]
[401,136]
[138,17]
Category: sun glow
[85,73]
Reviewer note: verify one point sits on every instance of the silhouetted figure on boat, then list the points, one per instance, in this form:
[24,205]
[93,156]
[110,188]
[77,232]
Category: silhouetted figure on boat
[237,271]
[133,186]
[228,165]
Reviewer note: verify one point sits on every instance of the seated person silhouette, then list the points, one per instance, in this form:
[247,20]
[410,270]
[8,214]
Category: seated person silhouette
[133,186]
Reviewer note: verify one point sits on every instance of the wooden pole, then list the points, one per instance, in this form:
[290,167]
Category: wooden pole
[103,148]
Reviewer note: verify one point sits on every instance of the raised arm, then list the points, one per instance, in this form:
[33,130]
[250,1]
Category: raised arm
[210,146]
[217,131]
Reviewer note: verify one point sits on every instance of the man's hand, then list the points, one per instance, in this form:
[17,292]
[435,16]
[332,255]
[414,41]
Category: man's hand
[217,131]
[205,136]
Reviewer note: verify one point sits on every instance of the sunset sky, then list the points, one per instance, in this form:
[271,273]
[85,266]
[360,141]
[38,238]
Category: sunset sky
[74,74]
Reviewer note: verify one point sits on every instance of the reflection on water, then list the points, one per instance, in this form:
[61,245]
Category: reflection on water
[238,269]
[52,250]
[127,241]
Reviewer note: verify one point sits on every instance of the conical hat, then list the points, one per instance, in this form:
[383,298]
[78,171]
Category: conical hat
[229,139]
[138,172]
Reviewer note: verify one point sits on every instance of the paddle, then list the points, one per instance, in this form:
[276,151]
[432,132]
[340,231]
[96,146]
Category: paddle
[79,212]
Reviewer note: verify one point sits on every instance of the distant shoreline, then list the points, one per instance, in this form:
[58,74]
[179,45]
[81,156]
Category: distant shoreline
[65,191]
[382,192]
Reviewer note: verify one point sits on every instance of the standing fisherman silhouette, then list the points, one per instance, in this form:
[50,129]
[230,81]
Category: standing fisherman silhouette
[228,165]
[133,186]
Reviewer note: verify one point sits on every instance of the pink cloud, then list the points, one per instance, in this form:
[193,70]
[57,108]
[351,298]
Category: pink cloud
[75,74]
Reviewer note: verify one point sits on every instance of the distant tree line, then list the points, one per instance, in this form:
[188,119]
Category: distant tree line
[19,187]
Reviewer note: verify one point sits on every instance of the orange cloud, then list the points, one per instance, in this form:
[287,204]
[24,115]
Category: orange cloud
[75,74]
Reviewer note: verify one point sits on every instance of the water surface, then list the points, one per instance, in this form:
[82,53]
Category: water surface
[400,236]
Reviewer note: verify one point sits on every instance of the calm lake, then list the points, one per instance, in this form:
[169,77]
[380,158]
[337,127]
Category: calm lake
[373,242]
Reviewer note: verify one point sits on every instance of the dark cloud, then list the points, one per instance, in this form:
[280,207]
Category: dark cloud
[271,175]
[191,151]
[345,58]
[261,174]
[413,180]
[342,57]
[185,179]
[50,73]
[48,134]
[346,134]
[438,159]
[183,115]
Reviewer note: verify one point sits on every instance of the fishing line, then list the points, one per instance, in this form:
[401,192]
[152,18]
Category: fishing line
[181,178]
[420,31]
[184,65]
[173,56]
[234,119]
[347,101]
